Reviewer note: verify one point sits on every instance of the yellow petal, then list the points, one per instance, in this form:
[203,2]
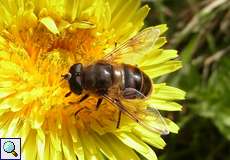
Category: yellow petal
[160,69]
[172,126]
[161,91]
[24,132]
[2,112]
[107,16]
[72,8]
[55,138]
[40,141]
[3,54]
[162,28]
[157,57]
[90,149]
[4,92]
[6,17]
[50,24]
[128,9]
[164,105]
[38,119]
[10,68]
[138,19]
[149,137]
[58,155]
[73,132]
[14,104]
[160,42]
[134,142]
[20,4]
[29,149]
[67,145]
[5,120]
[82,25]
[30,96]
[12,127]
[78,149]
[104,147]
[115,5]
[47,155]
[118,148]
[2,46]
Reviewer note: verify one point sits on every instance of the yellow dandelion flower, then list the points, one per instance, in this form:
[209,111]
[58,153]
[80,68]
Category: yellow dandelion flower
[39,41]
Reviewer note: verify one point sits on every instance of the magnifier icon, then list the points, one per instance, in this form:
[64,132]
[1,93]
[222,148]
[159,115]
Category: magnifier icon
[9,147]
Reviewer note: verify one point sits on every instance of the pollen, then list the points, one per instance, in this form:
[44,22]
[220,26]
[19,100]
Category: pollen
[44,56]
[80,44]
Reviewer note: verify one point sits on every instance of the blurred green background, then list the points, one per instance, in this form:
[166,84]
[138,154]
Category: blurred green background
[200,31]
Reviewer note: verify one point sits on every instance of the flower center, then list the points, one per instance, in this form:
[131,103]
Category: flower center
[48,57]
[81,45]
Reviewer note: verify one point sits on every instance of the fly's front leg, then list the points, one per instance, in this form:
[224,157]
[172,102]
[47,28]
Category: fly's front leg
[119,119]
[81,100]
[68,94]
[99,101]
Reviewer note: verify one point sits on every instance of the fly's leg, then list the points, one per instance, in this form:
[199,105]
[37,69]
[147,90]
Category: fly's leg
[119,119]
[81,100]
[68,94]
[78,111]
[84,98]
[99,101]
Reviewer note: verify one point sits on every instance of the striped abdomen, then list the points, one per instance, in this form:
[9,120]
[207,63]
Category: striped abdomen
[136,79]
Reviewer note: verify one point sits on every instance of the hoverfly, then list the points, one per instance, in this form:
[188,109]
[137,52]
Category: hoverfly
[123,85]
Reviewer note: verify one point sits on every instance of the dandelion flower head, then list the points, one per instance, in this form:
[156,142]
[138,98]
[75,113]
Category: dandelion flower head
[39,41]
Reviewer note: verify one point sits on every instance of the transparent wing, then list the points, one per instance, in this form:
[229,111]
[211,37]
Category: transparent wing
[138,44]
[140,111]
[147,114]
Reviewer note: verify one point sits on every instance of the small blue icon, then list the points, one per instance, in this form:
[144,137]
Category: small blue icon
[10,149]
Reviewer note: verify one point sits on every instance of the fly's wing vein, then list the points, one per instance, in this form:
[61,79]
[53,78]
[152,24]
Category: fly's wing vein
[138,44]
[141,112]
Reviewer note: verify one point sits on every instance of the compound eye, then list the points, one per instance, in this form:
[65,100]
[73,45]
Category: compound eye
[76,69]
[78,79]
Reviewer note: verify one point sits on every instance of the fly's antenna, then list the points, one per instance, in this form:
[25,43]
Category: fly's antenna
[58,84]
[66,76]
